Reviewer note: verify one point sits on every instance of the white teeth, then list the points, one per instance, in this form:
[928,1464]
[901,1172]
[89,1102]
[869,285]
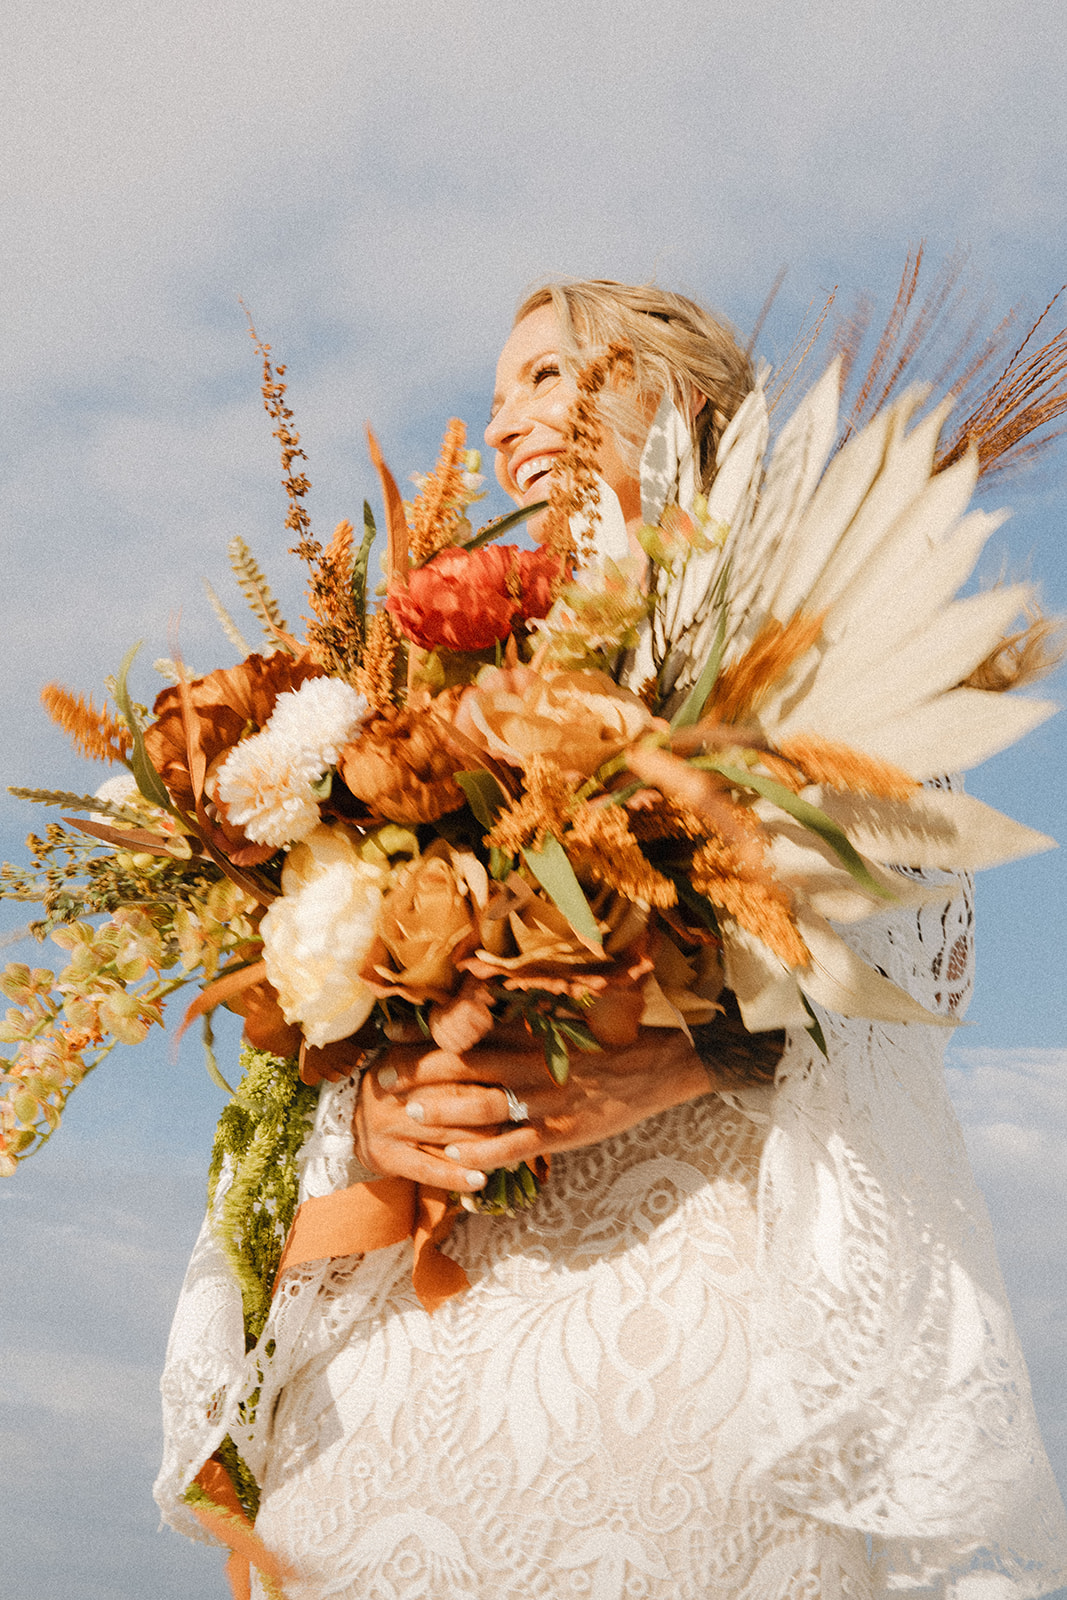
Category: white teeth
[530,469]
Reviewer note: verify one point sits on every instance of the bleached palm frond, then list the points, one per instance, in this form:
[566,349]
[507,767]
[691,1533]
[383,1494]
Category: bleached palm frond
[862,553]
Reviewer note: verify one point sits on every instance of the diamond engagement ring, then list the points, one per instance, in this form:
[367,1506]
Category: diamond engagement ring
[518,1110]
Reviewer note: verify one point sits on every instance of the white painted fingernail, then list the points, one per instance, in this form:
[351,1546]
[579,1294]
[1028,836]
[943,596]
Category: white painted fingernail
[387,1077]
[415,1111]
[475,1179]
[452,1152]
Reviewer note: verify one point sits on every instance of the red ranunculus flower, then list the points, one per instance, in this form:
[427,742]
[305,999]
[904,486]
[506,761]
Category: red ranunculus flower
[470,599]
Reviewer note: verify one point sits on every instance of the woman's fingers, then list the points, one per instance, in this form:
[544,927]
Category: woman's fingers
[460,1105]
[389,1142]
[405,1068]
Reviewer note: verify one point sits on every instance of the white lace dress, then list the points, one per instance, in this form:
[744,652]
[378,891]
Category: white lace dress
[754,1348]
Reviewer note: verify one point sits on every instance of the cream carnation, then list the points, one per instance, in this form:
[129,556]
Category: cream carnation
[317,935]
[265,783]
[320,717]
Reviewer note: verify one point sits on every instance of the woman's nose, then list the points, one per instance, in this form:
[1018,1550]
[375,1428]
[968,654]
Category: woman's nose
[507,424]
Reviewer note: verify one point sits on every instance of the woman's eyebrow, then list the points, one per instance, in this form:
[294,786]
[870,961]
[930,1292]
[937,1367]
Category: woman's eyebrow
[523,372]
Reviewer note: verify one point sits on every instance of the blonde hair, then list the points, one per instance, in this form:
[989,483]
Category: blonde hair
[679,348]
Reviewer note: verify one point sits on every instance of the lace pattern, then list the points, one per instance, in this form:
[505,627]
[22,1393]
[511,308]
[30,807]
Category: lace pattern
[727,1354]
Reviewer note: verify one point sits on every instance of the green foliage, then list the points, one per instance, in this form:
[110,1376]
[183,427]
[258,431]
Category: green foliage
[241,1476]
[148,780]
[801,811]
[80,802]
[258,1137]
[558,879]
[484,795]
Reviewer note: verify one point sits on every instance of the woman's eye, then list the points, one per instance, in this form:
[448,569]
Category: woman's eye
[543,370]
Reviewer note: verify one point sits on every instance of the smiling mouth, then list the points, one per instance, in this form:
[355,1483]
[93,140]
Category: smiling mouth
[534,472]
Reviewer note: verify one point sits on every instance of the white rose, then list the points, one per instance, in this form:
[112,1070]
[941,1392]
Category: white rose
[317,935]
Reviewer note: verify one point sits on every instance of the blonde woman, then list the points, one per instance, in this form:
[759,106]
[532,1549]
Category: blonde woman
[751,1341]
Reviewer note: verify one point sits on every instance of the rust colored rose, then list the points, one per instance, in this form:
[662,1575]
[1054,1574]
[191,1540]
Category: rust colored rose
[402,764]
[577,719]
[471,599]
[265,1025]
[426,923]
[227,705]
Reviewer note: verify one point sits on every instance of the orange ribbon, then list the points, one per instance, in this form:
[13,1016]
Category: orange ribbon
[371,1215]
[227,1521]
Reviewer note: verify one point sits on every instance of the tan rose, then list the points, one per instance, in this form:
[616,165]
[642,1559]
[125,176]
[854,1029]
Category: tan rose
[578,720]
[265,1025]
[426,923]
[527,943]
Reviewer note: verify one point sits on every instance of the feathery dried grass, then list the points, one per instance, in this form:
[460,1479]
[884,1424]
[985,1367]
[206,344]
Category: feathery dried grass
[1005,424]
[574,490]
[335,634]
[797,356]
[256,590]
[295,484]
[740,687]
[435,511]
[545,807]
[610,854]
[96,734]
[228,625]
[377,675]
[1023,657]
[754,898]
[810,759]
[938,328]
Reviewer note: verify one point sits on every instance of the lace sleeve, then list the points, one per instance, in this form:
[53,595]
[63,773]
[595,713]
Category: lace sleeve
[207,1376]
[891,1393]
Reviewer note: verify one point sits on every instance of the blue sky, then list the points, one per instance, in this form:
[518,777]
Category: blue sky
[379,185]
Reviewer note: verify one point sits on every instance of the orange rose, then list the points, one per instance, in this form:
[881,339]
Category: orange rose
[426,923]
[578,720]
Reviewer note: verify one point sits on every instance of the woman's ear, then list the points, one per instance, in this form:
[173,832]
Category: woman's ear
[697,402]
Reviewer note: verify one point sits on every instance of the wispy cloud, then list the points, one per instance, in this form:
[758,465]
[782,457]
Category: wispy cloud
[1013,1107]
[379,184]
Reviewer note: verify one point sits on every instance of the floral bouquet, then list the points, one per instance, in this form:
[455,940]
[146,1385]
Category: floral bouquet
[567,787]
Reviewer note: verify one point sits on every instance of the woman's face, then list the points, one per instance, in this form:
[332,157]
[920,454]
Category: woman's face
[528,427]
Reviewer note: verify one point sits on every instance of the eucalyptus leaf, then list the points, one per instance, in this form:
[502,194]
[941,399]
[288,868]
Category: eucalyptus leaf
[484,795]
[527,1182]
[556,876]
[147,778]
[210,1059]
[803,812]
[692,707]
[501,864]
[578,1034]
[815,1029]
[557,1056]
[493,530]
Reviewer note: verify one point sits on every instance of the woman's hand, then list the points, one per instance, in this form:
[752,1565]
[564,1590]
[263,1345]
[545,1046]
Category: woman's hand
[442,1118]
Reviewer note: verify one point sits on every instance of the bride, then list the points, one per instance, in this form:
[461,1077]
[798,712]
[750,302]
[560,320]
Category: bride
[751,1342]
